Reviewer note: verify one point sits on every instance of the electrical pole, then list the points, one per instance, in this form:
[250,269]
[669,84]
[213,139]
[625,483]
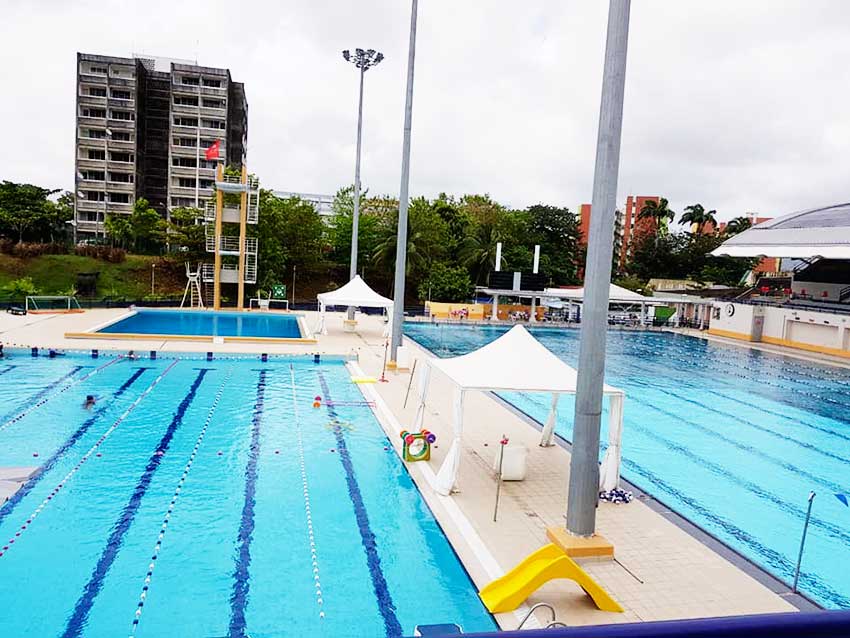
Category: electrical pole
[403,197]
[584,464]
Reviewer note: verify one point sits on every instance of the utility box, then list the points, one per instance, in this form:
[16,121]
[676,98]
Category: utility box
[758,324]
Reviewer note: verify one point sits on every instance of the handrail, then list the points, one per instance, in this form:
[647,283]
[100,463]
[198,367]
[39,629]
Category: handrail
[535,608]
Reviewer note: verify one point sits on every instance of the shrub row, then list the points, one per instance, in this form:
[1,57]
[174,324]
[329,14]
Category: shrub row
[25,249]
[105,253]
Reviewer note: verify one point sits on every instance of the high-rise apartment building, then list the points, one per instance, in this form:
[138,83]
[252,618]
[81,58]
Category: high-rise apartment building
[628,227]
[142,127]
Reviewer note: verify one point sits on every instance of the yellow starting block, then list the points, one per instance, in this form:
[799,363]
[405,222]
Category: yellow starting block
[363,380]
[547,563]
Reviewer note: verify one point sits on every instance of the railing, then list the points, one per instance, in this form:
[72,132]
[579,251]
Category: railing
[230,244]
[253,182]
[844,293]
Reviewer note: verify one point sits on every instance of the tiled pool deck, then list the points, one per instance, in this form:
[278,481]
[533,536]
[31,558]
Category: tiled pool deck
[661,570]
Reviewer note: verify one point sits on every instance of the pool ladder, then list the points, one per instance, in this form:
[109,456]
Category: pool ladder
[552,623]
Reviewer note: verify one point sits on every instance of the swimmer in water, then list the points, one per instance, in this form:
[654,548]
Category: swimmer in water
[132,356]
[90,401]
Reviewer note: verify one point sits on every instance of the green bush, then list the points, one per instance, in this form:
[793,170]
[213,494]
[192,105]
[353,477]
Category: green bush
[446,283]
[21,287]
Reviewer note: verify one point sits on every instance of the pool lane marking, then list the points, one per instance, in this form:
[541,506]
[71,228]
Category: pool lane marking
[7,546]
[40,473]
[241,584]
[77,621]
[46,390]
[306,487]
[379,583]
[164,527]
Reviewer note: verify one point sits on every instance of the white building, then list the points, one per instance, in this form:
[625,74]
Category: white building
[322,203]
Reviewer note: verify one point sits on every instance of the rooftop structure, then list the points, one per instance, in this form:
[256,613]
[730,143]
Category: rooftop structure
[140,131]
[322,203]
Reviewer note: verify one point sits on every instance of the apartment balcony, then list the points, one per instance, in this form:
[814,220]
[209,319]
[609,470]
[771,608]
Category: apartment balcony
[119,145]
[230,272]
[121,187]
[87,205]
[214,92]
[90,78]
[122,124]
[230,245]
[122,104]
[91,100]
[184,109]
[90,164]
[184,131]
[192,151]
[88,122]
[113,81]
[233,184]
[189,191]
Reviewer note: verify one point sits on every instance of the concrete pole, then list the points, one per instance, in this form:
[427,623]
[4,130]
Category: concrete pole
[583,493]
[355,219]
[403,197]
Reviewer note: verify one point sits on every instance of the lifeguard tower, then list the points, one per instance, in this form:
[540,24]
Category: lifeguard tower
[235,253]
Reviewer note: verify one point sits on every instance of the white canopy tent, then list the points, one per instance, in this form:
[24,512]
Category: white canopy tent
[616,294]
[516,362]
[355,293]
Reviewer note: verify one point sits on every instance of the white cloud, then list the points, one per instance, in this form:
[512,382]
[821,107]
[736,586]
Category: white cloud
[739,106]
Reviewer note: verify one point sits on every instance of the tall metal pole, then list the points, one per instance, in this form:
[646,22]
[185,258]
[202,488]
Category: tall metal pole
[583,493]
[403,196]
[355,220]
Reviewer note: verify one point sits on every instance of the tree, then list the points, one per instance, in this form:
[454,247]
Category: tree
[339,231]
[290,233]
[119,229]
[147,227]
[697,216]
[446,283]
[186,231]
[738,225]
[23,208]
[557,232]
[659,212]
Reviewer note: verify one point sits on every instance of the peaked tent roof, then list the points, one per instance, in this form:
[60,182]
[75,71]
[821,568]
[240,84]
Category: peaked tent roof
[615,293]
[515,361]
[355,293]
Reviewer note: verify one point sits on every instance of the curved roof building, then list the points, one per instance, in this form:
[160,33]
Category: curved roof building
[818,232]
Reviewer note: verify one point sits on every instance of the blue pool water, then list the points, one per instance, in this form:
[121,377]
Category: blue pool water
[211,499]
[207,323]
[732,439]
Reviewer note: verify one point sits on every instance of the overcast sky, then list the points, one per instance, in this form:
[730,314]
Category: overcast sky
[741,106]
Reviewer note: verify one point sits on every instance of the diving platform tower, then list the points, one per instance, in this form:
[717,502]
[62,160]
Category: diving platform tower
[235,255]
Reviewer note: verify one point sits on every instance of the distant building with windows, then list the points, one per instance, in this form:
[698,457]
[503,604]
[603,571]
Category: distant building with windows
[628,227]
[142,125]
[322,203]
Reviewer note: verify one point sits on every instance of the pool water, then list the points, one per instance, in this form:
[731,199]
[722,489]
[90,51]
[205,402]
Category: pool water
[732,439]
[207,323]
[212,499]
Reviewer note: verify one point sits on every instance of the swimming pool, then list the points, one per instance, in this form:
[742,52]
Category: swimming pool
[212,499]
[732,439]
[204,323]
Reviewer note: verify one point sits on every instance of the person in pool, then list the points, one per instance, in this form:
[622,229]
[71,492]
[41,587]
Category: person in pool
[132,356]
[90,401]
[2,354]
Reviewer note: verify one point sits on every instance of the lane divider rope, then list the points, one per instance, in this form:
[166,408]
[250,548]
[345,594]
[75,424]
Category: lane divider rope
[164,527]
[5,548]
[47,398]
[306,488]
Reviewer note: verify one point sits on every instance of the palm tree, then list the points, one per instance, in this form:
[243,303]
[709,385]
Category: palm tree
[477,251]
[696,215]
[659,212]
[738,225]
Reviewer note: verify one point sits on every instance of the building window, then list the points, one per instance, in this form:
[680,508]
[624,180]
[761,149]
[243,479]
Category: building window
[206,183]
[189,80]
[213,124]
[186,182]
[97,70]
[211,103]
[96,134]
[90,112]
[208,163]
[96,91]
[188,162]
[95,176]
[121,136]
[121,157]
[119,198]
[186,121]
[181,202]
[186,100]
[94,196]
[121,95]
[184,141]
[96,154]
[122,115]
[215,84]
[125,178]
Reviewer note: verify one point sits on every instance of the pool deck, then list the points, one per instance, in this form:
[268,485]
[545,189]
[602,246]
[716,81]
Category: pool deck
[663,569]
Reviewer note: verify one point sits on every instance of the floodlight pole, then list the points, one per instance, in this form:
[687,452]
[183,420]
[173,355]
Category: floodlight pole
[403,197]
[363,60]
[583,493]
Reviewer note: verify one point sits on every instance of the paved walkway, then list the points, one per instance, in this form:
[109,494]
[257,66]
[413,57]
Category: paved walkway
[660,571]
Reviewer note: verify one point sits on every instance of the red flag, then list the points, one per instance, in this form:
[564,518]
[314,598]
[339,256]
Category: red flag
[212,152]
